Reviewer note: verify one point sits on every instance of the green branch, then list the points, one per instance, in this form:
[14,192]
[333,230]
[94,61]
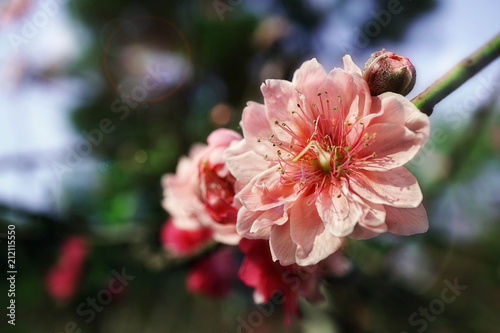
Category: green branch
[464,70]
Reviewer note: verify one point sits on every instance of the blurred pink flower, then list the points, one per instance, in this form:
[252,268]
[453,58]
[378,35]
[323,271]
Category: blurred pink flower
[201,193]
[322,159]
[270,279]
[12,10]
[180,242]
[63,278]
[213,275]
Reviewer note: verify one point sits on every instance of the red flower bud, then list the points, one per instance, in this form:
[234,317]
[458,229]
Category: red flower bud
[387,71]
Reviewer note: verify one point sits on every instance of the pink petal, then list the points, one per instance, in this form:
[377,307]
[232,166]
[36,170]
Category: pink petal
[309,77]
[281,98]
[394,145]
[257,129]
[360,232]
[225,233]
[257,224]
[324,245]
[401,131]
[374,218]
[392,104]
[247,158]
[372,223]
[281,244]
[407,221]
[347,92]
[350,66]
[305,224]
[214,157]
[396,187]
[222,137]
[265,191]
[182,242]
[245,164]
[339,214]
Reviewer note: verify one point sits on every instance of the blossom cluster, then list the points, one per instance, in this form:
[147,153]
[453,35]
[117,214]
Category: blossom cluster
[321,160]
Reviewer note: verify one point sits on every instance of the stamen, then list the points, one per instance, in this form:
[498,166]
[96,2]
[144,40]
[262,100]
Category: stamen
[324,157]
[303,152]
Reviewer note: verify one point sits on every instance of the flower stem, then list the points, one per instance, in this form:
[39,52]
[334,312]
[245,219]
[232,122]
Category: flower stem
[464,70]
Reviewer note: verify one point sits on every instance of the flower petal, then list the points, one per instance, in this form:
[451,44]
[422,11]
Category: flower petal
[398,109]
[225,233]
[339,214]
[344,97]
[188,210]
[281,98]
[256,131]
[360,232]
[222,137]
[401,131]
[257,224]
[244,164]
[281,244]
[305,224]
[407,221]
[350,66]
[324,245]
[374,218]
[309,77]
[265,191]
[393,146]
[396,187]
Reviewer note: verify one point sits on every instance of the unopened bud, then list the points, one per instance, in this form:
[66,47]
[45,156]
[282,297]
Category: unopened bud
[387,71]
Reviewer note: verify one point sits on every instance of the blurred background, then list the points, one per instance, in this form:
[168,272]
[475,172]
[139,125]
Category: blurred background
[99,99]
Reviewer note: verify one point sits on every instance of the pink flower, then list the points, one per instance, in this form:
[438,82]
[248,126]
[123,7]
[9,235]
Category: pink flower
[322,159]
[180,242]
[270,279]
[213,275]
[63,279]
[201,193]
[12,10]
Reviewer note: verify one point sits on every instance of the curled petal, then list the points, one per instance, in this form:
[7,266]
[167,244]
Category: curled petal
[257,224]
[265,191]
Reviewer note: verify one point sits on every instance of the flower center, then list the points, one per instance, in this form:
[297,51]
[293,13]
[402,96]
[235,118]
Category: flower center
[317,153]
[324,157]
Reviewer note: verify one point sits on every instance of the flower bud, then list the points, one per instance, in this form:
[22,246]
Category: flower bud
[387,71]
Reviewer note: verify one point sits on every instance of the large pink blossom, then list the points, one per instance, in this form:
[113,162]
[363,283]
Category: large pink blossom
[201,193]
[322,160]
